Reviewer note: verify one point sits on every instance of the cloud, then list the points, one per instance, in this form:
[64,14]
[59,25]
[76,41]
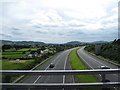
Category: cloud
[15,28]
[17,33]
[53,20]
[5,35]
[37,26]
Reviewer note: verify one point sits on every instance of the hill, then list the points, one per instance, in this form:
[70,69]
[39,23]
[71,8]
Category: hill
[73,43]
[96,42]
[21,42]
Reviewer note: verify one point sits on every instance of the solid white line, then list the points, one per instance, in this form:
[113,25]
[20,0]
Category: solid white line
[30,70]
[64,68]
[93,68]
[40,75]
[86,62]
[45,69]
[96,60]
[72,75]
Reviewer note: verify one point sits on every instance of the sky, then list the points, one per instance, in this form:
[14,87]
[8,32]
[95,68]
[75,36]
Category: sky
[59,21]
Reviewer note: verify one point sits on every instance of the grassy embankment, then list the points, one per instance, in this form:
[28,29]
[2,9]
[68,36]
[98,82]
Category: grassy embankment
[77,64]
[109,52]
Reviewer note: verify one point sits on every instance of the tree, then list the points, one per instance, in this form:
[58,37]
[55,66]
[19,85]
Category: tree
[4,47]
[43,48]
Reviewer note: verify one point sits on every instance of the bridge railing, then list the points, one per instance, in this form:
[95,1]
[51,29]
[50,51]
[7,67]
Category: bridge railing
[102,84]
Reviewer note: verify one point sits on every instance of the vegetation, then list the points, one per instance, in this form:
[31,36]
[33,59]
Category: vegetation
[77,64]
[6,53]
[27,49]
[108,50]
[16,65]
[16,57]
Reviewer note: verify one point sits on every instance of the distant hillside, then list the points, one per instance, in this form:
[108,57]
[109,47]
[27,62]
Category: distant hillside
[99,42]
[6,42]
[21,42]
[73,43]
[42,43]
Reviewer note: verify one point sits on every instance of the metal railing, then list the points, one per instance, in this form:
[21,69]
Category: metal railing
[60,85]
[102,84]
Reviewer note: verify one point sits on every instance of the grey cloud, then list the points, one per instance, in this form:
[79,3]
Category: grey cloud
[17,33]
[107,22]
[5,35]
[15,28]
[60,34]
[41,32]
[37,26]
[75,33]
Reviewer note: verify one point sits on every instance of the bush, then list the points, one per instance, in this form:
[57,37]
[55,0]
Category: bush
[109,50]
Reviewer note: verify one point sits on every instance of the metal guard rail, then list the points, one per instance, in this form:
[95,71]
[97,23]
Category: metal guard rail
[59,72]
[103,84]
[60,85]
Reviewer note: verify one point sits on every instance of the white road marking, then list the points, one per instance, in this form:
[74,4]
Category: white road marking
[45,69]
[40,76]
[64,69]
[86,63]
[96,61]
[72,75]
[93,68]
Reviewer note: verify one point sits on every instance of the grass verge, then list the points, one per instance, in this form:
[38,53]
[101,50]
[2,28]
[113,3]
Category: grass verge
[77,64]
[15,65]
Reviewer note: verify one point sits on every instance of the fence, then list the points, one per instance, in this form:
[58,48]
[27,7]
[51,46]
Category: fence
[102,84]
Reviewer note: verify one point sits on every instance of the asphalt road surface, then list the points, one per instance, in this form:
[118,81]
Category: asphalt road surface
[61,62]
[95,63]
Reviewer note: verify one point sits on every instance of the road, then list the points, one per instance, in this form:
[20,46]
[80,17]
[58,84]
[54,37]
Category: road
[61,63]
[95,63]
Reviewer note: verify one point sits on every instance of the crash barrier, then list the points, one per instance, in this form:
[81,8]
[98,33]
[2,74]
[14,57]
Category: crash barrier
[102,84]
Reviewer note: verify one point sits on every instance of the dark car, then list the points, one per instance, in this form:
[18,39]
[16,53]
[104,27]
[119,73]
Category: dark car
[104,67]
[51,65]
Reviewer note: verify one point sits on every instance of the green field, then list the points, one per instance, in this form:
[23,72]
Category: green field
[15,65]
[77,64]
[26,49]
[6,53]
[13,56]
[11,52]
[20,50]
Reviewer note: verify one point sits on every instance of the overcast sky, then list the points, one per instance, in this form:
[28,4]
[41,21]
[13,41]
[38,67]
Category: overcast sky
[59,21]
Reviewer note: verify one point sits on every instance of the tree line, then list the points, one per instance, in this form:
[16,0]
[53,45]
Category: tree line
[108,50]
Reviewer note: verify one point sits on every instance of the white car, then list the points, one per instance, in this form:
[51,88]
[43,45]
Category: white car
[104,67]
